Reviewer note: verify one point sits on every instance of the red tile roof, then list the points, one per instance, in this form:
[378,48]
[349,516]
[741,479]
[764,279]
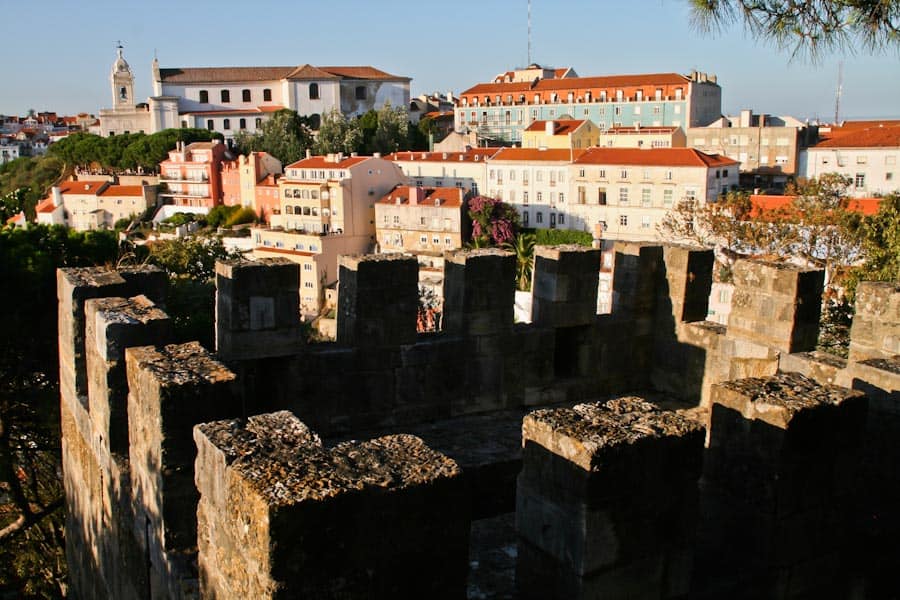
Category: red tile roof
[321,162]
[662,157]
[538,154]
[609,81]
[90,188]
[876,136]
[561,126]
[471,155]
[240,74]
[761,203]
[45,206]
[450,197]
[123,190]
[19,217]
[364,72]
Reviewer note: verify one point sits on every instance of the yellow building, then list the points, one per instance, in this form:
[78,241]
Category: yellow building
[327,208]
[562,133]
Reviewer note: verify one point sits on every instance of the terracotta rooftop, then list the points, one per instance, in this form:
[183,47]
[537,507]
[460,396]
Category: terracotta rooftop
[560,127]
[661,157]
[123,190]
[45,206]
[760,203]
[321,162]
[608,81]
[90,188]
[242,74]
[471,155]
[538,154]
[449,197]
[875,136]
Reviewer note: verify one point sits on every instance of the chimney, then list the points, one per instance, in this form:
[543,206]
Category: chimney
[550,127]
[339,157]
[746,117]
[416,195]
[376,155]
[329,157]
[308,153]
[57,196]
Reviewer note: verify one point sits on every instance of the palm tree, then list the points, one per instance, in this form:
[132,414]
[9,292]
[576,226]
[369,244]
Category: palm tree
[523,247]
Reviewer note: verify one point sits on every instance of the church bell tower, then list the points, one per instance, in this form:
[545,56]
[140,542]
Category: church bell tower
[122,80]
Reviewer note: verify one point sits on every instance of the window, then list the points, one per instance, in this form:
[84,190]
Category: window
[540,199]
[209,124]
[623,220]
[581,194]
[242,124]
[889,176]
[581,172]
[539,217]
[562,218]
[623,174]
[525,198]
[601,196]
[623,195]
[307,267]
[360,92]
[861,160]
[525,218]
[860,180]
[204,97]
[562,197]
[667,198]
[552,220]
[184,124]
[226,123]
[423,239]
[601,174]
[314,91]
[226,96]
[645,197]
[267,95]
[258,122]
[668,175]
[448,242]
[245,95]
[645,222]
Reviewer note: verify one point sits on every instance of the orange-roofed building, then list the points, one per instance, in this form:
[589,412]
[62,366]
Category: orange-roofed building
[420,219]
[327,209]
[464,170]
[624,193]
[192,175]
[866,152]
[562,133]
[502,109]
[90,205]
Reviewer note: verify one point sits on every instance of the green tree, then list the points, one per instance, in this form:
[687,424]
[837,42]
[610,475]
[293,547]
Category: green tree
[368,124]
[807,27]
[879,235]
[392,130]
[284,135]
[338,134]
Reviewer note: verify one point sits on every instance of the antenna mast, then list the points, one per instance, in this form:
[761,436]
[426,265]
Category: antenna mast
[529,33]
[840,89]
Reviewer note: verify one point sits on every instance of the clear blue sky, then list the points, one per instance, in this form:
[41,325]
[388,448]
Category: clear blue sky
[59,53]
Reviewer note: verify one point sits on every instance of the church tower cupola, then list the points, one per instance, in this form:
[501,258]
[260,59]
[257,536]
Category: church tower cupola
[122,80]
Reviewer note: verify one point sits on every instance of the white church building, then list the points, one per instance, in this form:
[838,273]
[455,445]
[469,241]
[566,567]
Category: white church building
[231,99]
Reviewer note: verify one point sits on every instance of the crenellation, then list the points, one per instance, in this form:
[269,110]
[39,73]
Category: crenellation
[876,323]
[607,492]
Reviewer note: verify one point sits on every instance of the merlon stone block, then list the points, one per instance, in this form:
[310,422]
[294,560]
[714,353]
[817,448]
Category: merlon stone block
[177,365]
[589,435]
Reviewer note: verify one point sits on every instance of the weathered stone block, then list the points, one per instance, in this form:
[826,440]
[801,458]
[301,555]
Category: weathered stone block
[382,518]
[378,300]
[564,292]
[479,291]
[875,332]
[257,308]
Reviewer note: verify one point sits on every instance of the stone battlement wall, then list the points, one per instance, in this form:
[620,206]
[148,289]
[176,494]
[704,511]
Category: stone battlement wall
[167,500]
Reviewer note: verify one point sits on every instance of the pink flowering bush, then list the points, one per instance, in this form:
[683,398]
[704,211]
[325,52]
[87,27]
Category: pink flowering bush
[493,222]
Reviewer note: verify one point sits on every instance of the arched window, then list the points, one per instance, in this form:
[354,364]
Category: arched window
[360,92]
[298,210]
[246,95]
[314,91]
[315,121]
[243,123]
[226,96]
[123,93]
[204,97]
[288,209]
[258,122]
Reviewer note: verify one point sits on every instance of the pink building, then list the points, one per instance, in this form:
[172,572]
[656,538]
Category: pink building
[192,174]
